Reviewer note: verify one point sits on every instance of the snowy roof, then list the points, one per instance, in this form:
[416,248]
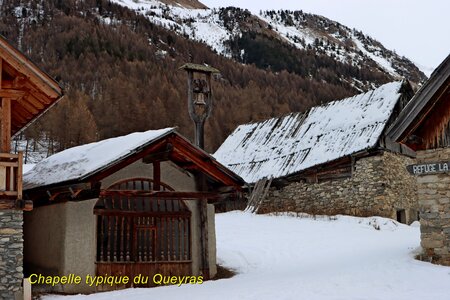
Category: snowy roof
[82,161]
[282,146]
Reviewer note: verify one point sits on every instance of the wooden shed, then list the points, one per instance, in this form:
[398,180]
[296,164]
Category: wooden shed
[134,205]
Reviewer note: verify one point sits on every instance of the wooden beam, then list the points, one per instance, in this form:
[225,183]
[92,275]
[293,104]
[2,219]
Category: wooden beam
[11,93]
[157,176]
[7,204]
[38,95]
[26,85]
[8,155]
[35,102]
[19,204]
[158,156]
[115,212]
[18,115]
[8,194]
[17,83]
[20,176]
[203,210]
[191,167]
[203,162]
[162,194]
[20,64]
[5,145]
[27,106]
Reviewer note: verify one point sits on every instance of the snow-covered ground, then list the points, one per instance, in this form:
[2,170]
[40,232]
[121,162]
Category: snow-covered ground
[285,257]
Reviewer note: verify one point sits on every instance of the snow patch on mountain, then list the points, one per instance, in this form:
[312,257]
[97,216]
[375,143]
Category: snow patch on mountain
[202,25]
[303,31]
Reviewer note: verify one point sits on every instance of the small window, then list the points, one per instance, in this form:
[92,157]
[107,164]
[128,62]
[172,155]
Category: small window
[401,216]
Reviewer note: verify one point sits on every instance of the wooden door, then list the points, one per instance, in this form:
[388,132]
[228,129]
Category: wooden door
[138,234]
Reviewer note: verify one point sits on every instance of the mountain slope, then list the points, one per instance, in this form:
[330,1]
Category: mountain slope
[232,31]
[119,67]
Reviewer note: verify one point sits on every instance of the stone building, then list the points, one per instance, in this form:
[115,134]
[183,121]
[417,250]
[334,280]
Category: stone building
[26,92]
[332,159]
[424,126]
[129,205]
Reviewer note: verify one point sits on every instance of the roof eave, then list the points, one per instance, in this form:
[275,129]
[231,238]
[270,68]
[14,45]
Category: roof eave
[25,62]
[86,177]
[405,123]
[239,180]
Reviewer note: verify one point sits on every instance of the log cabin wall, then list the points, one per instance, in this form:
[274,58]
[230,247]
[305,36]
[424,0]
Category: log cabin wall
[379,185]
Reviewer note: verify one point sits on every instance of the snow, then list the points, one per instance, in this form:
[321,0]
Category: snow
[81,161]
[289,32]
[27,167]
[381,61]
[137,4]
[282,146]
[288,257]
[202,25]
[34,150]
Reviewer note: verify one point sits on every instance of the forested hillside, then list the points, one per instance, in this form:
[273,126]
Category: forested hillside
[120,73]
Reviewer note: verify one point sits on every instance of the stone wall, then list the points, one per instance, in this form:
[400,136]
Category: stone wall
[434,203]
[11,253]
[380,186]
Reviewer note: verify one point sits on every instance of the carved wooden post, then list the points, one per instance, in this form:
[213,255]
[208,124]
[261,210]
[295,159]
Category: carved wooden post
[199,97]
[6,125]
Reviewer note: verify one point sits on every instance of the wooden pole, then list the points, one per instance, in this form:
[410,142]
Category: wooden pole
[5,143]
[156,176]
[19,176]
[6,125]
[203,207]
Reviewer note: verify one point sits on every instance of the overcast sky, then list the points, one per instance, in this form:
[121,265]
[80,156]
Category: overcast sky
[417,29]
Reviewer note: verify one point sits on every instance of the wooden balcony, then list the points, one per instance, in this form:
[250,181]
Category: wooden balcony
[11,182]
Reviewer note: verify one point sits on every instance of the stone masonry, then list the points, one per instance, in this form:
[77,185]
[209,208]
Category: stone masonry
[11,253]
[434,203]
[380,186]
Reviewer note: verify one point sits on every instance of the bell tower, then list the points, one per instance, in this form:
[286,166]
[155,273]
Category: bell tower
[199,97]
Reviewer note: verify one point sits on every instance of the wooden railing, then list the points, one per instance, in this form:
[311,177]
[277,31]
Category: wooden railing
[11,175]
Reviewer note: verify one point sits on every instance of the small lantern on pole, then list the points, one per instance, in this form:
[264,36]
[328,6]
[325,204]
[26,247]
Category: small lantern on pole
[199,97]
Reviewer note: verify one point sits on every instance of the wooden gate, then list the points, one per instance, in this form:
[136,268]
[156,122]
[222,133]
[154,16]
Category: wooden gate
[141,234]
